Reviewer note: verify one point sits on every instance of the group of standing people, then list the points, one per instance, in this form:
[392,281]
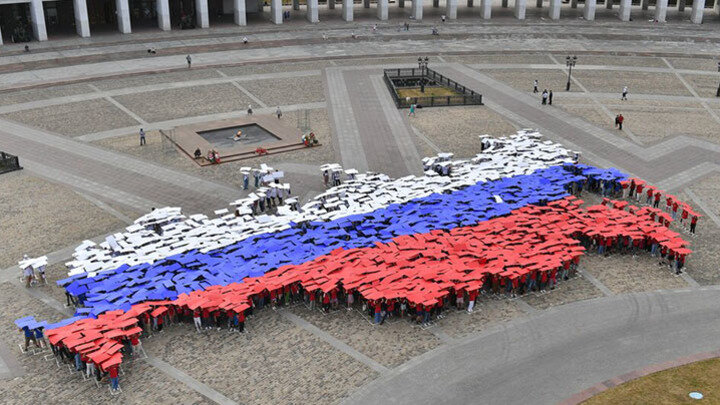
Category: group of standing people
[546,96]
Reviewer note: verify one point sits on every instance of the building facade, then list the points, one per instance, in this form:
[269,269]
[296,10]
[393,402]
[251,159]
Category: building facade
[25,20]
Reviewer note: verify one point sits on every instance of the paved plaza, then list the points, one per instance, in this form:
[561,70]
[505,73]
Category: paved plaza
[71,110]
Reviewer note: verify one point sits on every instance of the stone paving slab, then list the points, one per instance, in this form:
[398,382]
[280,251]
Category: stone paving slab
[276,362]
[390,344]
[456,129]
[75,119]
[624,274]
[190,101]
[40,216]
[284,91]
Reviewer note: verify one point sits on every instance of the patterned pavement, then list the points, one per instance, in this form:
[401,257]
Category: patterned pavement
[367,133]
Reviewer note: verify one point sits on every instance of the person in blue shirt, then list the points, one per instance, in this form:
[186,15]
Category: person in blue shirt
[40,338]
[29,336]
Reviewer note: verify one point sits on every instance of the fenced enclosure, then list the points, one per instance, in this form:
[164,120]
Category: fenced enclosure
[9,163]
[426,79]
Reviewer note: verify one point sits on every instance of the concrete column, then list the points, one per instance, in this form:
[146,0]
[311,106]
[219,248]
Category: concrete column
[554,11]
[82,23]
[504,4]
[661,10]
[469,3]
[162,7]
[609,4]
[539,3]
[681,5]
[625,6]
[366,3]
[347,10]
[331,4]
[37,14]
[698,8]
[573,3]
[417,9]
[717,6]
[239,14]
[312,11]
[276,11]
[382,10]
[296,4]
[202,14]
[122,10]
[520,6]
[589,10]
[1,38]
[451,9]
[486,9]
[645,4]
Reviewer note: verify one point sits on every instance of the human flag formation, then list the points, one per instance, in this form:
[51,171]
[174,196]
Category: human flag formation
[506,213]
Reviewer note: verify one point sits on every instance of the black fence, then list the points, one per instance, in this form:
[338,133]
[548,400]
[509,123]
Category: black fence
[9,163]
[413,77]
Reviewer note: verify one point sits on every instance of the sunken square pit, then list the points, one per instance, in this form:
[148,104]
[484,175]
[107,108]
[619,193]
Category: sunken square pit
[252,134]
[265,132]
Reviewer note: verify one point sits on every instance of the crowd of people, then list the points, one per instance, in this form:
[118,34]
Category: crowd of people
[547,238]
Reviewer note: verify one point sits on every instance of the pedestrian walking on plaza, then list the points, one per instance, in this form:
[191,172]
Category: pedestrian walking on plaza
[249,110]
[535,84]
[278,112]
[245,40]
[189,61]
[617,122]
[412,110]
[142,137]
[620,120]
[544,97]
[624,93]
[442,18]
[550,98]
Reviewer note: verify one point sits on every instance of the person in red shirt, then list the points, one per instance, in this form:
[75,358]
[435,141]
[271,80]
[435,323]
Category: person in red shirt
[378,312]
[649,195]
[472,296]
[656,204]
[159,321]
[206,321]
[460,299]
[668,203]
[684,216]
[543,281]
[675,209]
[334,298]
[135,342]
[639,190]
[311,297]
[241,321]
[114,382]
[197,320]
[326,302]
[693,224]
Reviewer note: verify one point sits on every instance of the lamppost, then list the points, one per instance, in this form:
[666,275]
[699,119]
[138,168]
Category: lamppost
[422,65]
[718,90]
[570,63]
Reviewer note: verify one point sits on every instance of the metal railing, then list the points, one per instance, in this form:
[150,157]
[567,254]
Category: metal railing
[9,163]
[432,78]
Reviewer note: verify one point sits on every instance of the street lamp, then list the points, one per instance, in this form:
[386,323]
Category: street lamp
[422,65]
[570,63]
[718,90]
